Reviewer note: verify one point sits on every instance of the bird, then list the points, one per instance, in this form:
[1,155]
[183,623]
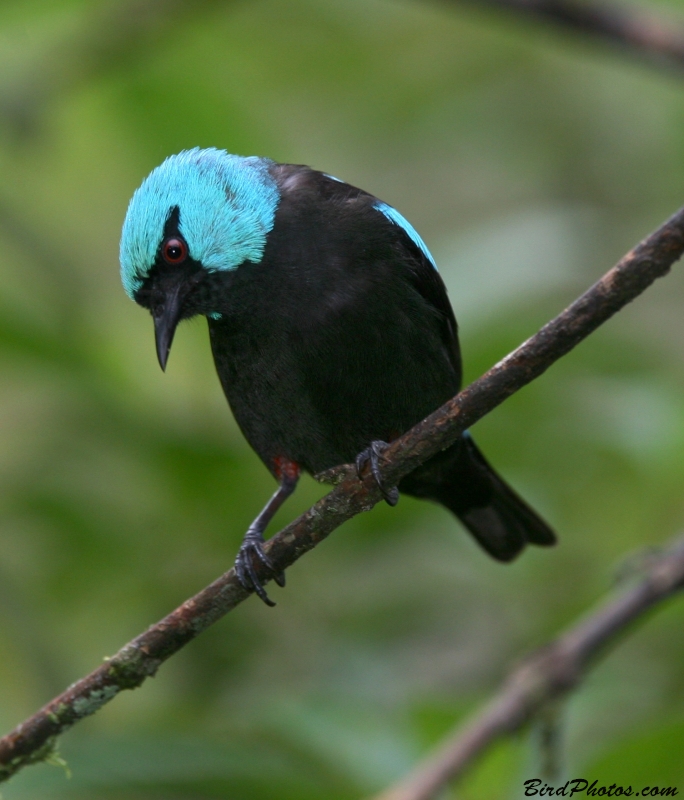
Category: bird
[330,328]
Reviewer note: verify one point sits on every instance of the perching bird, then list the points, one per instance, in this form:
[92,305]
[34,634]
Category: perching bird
[330,327]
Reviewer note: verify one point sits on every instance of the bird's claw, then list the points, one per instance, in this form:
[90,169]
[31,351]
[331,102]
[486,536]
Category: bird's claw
[251,547]
[371,455]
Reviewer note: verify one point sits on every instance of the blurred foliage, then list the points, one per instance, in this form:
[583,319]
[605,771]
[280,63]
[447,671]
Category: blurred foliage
[529,161]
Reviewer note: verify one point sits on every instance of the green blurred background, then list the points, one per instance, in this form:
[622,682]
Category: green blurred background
[530,161]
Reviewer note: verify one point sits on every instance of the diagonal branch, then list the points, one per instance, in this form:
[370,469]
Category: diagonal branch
[640,33]
[34,739]
[548,674]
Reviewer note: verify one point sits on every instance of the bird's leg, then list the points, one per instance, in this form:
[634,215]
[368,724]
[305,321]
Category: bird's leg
[371,456]
[252,544]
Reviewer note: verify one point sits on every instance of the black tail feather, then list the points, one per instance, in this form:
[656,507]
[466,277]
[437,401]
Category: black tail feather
[461,479]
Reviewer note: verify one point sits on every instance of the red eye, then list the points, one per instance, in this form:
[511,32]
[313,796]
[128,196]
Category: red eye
[175,251]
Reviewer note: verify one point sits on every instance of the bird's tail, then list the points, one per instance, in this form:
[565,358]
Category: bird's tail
[461,479]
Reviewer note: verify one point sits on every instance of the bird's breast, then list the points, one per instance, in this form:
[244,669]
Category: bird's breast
[317,361]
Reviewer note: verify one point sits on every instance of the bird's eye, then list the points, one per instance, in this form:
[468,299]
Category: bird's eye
[174,250]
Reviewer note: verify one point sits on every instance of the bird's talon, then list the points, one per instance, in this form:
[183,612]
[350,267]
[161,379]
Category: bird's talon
[240,574]
[256,547]
[361,461]
[371,456]
[246,574]
[261,593]
[391,496]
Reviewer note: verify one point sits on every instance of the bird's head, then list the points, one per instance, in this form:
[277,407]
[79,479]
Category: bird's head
[196,217]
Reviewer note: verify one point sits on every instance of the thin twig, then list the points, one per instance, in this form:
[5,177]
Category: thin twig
[547,675]
[640,33]
[140,658]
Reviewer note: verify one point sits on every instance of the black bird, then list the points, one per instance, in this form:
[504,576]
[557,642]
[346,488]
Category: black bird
[330,327]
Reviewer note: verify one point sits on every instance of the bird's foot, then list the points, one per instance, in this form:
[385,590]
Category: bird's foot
[252,548]
[371,455]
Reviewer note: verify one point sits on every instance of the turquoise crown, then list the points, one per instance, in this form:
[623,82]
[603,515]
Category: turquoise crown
[227,207]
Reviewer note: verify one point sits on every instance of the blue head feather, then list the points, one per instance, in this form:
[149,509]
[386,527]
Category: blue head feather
[227,206]
[398,219]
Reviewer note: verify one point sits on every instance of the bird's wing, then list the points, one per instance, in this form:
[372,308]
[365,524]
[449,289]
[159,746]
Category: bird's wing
[410,249]
[424,276]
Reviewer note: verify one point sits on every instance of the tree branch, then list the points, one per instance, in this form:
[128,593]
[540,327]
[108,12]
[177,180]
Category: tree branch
[548,674]
[34,739]
[657,39]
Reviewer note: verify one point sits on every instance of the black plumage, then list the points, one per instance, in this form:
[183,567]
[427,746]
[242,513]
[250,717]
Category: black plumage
[341,335]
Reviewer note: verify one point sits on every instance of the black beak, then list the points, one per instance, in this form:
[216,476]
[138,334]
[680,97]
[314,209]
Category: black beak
[165,322]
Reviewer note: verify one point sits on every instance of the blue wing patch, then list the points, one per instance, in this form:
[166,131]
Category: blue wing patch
[394,216]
